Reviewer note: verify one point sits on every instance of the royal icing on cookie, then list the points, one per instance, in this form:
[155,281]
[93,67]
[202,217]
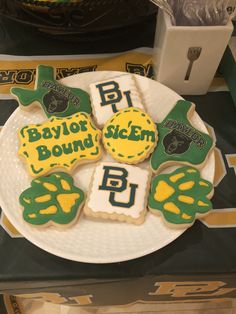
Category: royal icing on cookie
[60,143]
[54,98]
[130,136]
[52,200]
[179,141]
[117,193]
[180,196]
[110,96]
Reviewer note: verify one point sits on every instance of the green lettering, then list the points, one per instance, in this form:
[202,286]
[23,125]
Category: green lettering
[78,144]
[57,150]
[67,148]
[148,136]
[133,134]
[83,125]
[46,133]
[34,135]
[57,131]
[116,133]
[122,134]
[109,133]
[88,142]
[43,152]
[74,127]
[65,129]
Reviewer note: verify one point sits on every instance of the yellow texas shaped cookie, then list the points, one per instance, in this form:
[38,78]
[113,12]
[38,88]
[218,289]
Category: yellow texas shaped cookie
[130,136]
[60,143]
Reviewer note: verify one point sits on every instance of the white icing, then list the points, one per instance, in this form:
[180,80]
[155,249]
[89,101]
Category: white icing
[99,199]
[126,83]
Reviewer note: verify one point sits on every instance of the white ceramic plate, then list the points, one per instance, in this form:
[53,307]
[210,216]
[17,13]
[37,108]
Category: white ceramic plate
[88,241]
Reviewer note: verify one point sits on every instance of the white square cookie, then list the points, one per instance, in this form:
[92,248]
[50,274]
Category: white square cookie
[110,96]
[118,192]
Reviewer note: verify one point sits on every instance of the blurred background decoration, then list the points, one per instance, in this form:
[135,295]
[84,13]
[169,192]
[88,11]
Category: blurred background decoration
[77,17]
[198,12]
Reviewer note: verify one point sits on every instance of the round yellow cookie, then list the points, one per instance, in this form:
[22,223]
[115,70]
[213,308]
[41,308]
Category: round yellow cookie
[130,136]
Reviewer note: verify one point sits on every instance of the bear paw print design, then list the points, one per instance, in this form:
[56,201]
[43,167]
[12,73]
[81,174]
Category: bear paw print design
[52,200]
[180,196]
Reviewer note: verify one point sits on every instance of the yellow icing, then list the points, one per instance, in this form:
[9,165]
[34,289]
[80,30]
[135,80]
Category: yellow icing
[59,143]
[32,216]
[48,211]
[201,203]
[186,186]
[163,191]
[127,150]
[27,200]
[66,201]
[186,199]
[202,183]
[191,170]
[176,177]
[65,185]
[185,216]
[171,207]
[43,198]
[50,187]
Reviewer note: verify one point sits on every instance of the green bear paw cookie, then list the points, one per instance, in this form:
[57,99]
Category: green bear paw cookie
[52,200]
[181,196]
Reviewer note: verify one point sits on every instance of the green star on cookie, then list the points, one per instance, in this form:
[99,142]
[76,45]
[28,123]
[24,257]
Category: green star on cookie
[54,98]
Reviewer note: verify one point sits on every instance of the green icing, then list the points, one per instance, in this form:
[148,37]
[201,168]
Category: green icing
[46,193]
[55,99]
[179,141]
[180,195]
[136,133]
[35,171]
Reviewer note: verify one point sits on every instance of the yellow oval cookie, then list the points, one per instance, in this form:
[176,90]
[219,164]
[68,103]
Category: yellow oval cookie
[130,136]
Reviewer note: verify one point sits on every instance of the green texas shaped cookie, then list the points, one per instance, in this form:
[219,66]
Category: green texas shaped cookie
[179,141]
[52,200]
[180,196]
[54,98]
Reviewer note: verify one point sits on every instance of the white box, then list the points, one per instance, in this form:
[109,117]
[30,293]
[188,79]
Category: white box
[171,50]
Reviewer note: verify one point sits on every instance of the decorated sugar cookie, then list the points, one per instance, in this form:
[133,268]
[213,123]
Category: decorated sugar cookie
[54,98]
[110,96]
[59,143]
[118,192]
[179,142]
[181,196]
[130,136]
[52,200]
